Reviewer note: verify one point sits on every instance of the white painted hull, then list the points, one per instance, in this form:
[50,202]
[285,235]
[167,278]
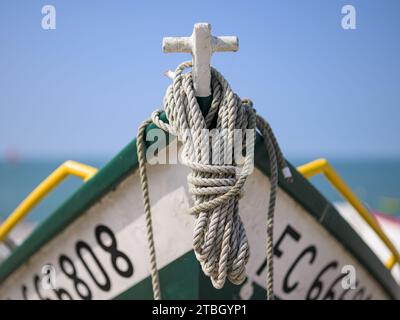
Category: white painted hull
[303,247]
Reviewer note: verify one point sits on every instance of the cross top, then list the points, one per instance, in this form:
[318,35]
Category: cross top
[201,44]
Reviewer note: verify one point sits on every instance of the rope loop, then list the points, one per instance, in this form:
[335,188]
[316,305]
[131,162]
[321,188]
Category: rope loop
[216,180]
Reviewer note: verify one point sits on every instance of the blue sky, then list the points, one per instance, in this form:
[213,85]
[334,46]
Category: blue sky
[82,90]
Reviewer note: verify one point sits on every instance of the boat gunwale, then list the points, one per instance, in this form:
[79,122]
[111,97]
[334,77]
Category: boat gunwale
[125,163]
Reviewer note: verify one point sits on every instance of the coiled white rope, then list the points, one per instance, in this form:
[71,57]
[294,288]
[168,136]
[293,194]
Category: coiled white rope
[219,237]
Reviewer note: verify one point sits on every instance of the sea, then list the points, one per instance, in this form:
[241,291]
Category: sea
[376,182]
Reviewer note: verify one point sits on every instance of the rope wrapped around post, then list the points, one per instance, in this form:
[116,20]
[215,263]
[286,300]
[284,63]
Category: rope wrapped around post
[219,237]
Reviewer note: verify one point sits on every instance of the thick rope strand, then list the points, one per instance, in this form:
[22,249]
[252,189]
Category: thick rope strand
[147,208]
[262,125]
[219,237]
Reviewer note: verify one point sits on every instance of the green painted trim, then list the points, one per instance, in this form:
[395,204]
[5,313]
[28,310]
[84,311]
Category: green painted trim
[106,179]
[126,162]
[322,210]
[178,284]
[175,282]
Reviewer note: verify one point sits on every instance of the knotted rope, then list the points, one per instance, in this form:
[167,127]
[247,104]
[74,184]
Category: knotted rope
[219,237]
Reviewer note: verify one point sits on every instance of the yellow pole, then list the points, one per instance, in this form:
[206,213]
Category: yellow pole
[67,168]
[323,166]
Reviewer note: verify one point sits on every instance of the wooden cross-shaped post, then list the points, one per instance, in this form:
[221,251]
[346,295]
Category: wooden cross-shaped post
[201,44]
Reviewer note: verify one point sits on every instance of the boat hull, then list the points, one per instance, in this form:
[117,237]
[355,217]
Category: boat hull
[94,246]
[103,254]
